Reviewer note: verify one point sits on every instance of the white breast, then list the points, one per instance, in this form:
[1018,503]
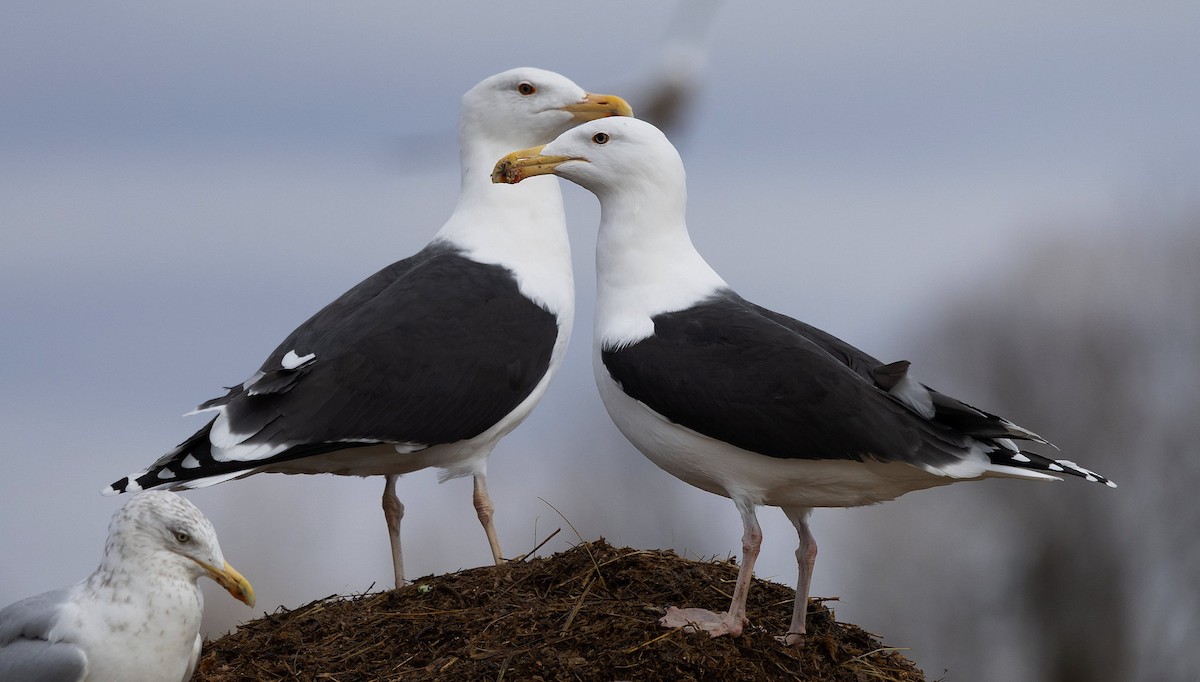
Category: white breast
[151,637]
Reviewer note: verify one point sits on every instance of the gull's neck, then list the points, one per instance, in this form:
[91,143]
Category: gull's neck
[521,227]
[645,262]
[138,579]
[128,561]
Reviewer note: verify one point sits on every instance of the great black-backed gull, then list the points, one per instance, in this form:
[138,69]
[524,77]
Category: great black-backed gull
[432,360]
[742,401]
[137,617]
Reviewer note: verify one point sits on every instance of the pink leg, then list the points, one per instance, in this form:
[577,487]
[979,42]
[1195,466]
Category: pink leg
[393,511]
[806,557]
[484,508]
[731,622]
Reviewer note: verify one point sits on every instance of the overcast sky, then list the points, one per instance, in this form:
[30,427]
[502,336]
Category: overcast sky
[183,184]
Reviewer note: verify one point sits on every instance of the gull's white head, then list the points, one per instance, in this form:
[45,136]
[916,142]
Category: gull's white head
[605,156]
[527,106]
[162,531]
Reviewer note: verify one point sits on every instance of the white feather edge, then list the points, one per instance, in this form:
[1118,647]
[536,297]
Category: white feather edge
[914,394]
[1004,471]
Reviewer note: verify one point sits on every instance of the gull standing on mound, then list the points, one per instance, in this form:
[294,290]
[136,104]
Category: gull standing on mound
[432,360]
[137,617]
[742,401]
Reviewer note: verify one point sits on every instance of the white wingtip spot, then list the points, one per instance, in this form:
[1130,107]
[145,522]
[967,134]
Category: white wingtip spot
[292,361]
[109,491]
[165,474]
[1110,484]
[133,486]
[190,462]
[1054,467]
[1020,458]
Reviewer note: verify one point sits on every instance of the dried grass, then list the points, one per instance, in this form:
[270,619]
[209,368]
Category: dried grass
[589,613]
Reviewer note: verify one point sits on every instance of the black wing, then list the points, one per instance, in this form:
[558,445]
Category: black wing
[948,411]
[433,349]
[726,370]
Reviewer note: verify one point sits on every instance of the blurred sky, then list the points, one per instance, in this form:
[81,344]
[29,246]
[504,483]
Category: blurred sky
[182,184]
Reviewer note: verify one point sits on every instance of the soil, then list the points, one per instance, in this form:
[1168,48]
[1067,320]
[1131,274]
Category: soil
[589,613]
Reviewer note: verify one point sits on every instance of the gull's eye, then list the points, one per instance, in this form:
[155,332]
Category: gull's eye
[600,138]
[182,537]
[526,88]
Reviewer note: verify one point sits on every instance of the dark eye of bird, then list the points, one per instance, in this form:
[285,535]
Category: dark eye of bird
[600,138]
[182,537]
[526,88]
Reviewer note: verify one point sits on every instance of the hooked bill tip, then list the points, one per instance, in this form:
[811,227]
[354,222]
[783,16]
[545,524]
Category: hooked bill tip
[506,173]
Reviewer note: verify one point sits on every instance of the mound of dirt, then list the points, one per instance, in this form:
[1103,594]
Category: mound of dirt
[589,613]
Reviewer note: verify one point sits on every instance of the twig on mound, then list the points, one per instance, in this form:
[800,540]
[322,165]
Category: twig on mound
[664,635]
[583,543]
[533,551]
[587,587]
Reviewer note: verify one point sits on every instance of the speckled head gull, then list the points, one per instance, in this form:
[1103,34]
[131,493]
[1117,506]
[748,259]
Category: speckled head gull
[432,360]
[137,617]
[742,401]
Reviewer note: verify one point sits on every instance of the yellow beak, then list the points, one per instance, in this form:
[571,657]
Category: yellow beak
[232,581]
[592,107]
[526,163]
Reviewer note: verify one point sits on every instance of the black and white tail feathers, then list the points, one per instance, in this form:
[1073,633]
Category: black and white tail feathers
[192,465]
[1008,455]
[984,426]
